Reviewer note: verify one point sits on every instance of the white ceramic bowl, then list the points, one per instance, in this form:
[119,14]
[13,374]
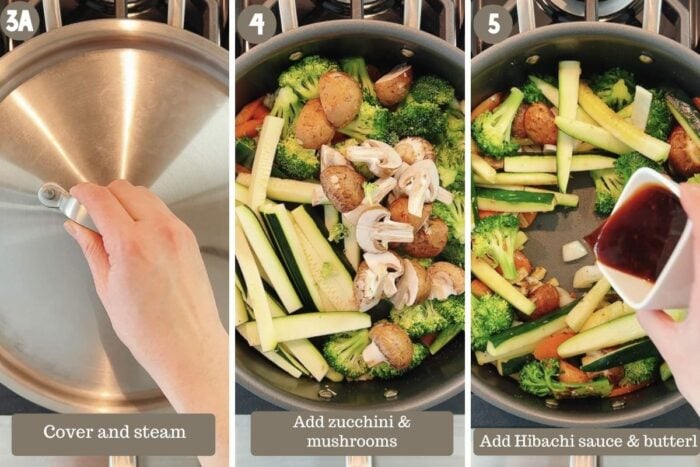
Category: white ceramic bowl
[672,288]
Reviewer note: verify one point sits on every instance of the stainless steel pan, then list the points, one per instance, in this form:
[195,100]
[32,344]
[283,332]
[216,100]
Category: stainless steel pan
[385,45]
[654,59]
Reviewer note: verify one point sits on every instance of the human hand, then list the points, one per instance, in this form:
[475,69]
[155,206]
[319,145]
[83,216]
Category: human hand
[151,279]
[678,341]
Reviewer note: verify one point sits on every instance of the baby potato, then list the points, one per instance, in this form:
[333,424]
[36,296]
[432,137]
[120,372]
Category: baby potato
[429,241]
[539,124]
[340,96]
[393,87]
[343,186]
[313,129]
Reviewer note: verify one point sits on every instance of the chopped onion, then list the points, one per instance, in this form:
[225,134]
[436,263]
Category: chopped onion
[641,108]
[585,277]
[573,251]
[549,148]
[564,297]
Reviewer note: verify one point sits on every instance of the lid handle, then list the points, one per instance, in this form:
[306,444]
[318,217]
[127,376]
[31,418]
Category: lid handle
[53,195]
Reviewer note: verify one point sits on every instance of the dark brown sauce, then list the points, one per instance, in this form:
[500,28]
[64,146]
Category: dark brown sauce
[642,233]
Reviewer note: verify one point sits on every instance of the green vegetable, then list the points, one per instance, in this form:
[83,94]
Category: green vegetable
[641,371]
[491,129]
[490,315]
[548,164]
[660,118]
[284,189]
[494,281]
[420,319]
[357,68]
[665,372]
[591,134]
[525,178]
[430,88]
[494,199]
[615,87]
[445,336]
[338,232]
[685,113]
[424,119]
[452,309]
[454,216]
[532,92]
[245,151]
[371,122]
[569,75]
[296,161]
[343,352]
[303,76]
[451,166]
[287,106]
[386,371]
[616,332]
[643,348]
[542,380]
[494,238]
[588,304]
[513,365]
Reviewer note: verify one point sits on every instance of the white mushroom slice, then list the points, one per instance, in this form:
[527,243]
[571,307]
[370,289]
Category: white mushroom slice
[389,267]
[381,159]
[445,279]
[382,188]
[391,344]
[318,196]
[413,287]
[372,355]
[420,182]
[375,230]
[414,149]
[373,277]
[331,157]
[444,196]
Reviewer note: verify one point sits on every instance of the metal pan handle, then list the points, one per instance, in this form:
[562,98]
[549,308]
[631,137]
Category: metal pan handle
[52,14]
[526,15]
[123,461]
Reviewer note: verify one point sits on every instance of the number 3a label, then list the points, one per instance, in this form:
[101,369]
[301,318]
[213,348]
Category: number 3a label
[494,25]
[24,23]
[258,22]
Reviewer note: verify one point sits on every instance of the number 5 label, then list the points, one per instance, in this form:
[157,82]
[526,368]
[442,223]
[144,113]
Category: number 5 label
[493,24]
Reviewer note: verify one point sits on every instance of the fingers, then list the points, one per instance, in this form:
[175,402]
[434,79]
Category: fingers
[94,251]
[662,330]
[138,201]
[690,199]
[104,208]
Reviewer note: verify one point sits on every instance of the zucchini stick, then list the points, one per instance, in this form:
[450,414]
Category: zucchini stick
[502,287]
[518,179]
[264,157]
[569,74]
[548,164]
[257,297]
[591,134]
[481,167]
[615,332]
[621,129]
[585,308]
[240,310]
[285,190]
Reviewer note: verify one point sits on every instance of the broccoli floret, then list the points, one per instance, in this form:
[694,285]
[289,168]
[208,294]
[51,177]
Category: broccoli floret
[608,187]
[615,87]
[453,252]
[627,164]
[245,151]
[343,352]
[494,237]
[386,371]
[641,371]
[541,378]
[454,216]
[418,320]
[450,164]
[357,68]
[490,315]
[452,309]
[303,76]
[491,129]
[338,232]
[287,106]
[371,122]
[430,88]
[532,93]
[424,119]
[454,131]
[694,179]
[296,161]
[660,119]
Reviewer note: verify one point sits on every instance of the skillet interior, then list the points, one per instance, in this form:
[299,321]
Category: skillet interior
[597,46]
[256,73]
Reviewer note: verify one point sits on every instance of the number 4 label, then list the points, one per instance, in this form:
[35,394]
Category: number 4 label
[258,21]
[24,24]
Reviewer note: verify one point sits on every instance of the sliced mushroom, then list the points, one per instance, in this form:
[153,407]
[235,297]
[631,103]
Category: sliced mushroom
[393,87]
[414,285]
[375,230]
[343,187]
[381,159]
[374,276]
[684,157]
[445,279]
[420,182]
[373,196]
[341,97]
[330,157]
[391,344]
[429,241]
[399,213]
[539,124]
[312,128]
[413,149]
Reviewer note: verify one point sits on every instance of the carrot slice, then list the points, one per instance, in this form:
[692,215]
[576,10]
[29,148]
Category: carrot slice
[623,390]
[547,347]
[521,262]
[571,374]
[479,289]
[484,214]
[241,169]
[249,128]
[260,113]
[489,103]
[247,111]
[696,101]
[428,339]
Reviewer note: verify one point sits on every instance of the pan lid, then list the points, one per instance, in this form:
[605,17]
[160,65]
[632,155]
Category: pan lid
[98,101]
